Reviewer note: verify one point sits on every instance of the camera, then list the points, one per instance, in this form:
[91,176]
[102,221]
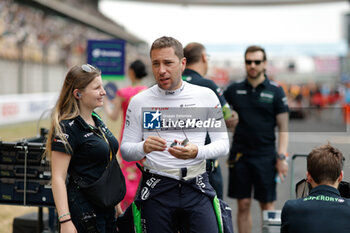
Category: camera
[344,189]
[302,189]
[88,221]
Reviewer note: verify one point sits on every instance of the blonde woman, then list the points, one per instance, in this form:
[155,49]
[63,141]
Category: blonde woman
[80,143]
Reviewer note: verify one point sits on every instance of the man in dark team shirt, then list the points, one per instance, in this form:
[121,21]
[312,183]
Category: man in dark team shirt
[323,210]
[254,160]
[196,69]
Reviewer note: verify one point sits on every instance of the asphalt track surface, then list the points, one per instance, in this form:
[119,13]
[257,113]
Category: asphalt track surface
[304,135]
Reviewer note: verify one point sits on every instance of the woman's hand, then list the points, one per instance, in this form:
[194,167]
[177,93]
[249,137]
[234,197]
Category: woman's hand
[68,227]
[118,210]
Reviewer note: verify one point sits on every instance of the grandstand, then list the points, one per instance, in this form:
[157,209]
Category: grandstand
[40,39]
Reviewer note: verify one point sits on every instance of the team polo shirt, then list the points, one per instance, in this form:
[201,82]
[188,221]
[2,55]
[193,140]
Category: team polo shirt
[257,109]
[323,211]
[89,150]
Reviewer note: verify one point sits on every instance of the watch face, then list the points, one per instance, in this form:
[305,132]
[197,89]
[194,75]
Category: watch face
[281,156]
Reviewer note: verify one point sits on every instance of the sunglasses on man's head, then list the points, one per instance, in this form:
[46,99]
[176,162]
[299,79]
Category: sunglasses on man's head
[257,62]
[87,68]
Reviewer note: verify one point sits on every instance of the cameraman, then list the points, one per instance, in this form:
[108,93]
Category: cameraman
[323,210]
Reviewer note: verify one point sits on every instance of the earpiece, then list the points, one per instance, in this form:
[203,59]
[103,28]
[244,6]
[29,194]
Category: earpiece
[78,94]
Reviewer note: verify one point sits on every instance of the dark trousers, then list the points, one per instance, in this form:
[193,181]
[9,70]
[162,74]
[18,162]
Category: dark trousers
[181,206]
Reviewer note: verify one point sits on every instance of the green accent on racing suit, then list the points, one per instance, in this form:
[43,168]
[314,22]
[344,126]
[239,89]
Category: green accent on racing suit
[136,212]
[217,209]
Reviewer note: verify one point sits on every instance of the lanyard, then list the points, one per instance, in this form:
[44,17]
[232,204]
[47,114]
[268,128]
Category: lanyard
[104,137]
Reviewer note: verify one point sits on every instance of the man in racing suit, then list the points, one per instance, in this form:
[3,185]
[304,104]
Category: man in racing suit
[175,182]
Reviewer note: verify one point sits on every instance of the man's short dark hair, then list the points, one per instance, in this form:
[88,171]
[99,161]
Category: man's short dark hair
[255,48]
[325,164]
[166,42]
[193,52]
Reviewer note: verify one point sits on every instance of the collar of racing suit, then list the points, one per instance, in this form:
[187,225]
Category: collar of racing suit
[172,92]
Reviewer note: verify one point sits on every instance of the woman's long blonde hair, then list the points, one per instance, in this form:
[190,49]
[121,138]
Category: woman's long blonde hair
[67,105]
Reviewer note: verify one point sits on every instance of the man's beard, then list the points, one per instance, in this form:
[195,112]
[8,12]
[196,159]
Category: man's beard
[255,76]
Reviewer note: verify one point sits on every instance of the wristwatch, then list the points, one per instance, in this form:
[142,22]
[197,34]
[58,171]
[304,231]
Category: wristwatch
[281,156]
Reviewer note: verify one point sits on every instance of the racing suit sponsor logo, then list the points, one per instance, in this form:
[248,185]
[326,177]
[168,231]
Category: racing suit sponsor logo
[187,105]
[145,192]
[143,225]
[200,184]
[152,182]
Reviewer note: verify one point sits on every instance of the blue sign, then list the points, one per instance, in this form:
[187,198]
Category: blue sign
[108,56]
[151,119]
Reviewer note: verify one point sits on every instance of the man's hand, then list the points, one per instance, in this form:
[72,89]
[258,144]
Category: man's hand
[282,168]
[232,122]
[154,143]
[189,151]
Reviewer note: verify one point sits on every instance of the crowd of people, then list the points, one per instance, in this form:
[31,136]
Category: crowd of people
[181,186]
[311,99]
[56,40]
